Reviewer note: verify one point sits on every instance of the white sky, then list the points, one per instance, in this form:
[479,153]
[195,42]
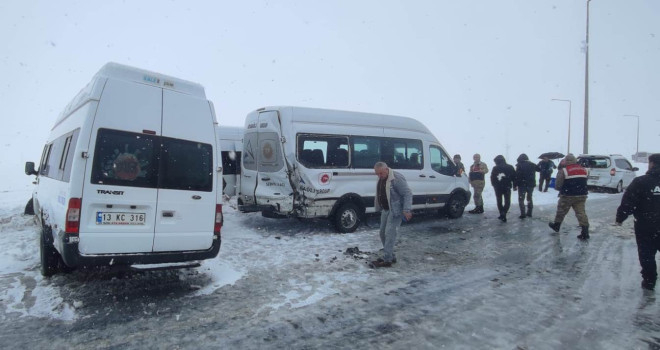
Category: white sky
[480,74]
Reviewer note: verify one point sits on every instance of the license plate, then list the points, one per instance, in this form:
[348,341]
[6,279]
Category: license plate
[106,218]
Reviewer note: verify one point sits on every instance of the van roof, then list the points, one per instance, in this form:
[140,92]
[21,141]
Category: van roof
[121,72]
[330,116]
[111,70]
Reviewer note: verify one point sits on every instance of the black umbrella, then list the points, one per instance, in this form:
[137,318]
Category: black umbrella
[551,155]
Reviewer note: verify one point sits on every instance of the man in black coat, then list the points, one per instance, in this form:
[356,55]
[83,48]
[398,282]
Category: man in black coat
[502,179]
[525,184]
[544,167]
[642,200]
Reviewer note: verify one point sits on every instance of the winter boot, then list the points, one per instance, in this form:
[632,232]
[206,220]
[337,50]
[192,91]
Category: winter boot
[522,215]
[584,234]
[477,210]
[555,226]
[648,284]
[529,212]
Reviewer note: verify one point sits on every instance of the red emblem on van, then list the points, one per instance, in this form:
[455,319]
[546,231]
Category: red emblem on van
[324,178]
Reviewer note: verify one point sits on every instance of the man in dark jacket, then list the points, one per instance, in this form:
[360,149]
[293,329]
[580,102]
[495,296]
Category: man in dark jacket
[642,200]
[502,179]
[544,167]
[525,184]
[571,183]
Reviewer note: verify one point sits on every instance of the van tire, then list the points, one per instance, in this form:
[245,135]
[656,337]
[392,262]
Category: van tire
[29,207]
[50,258]
[619,187]
[455,206]
[347,218]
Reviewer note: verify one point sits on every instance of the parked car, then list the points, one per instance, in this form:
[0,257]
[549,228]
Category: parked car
[612,172]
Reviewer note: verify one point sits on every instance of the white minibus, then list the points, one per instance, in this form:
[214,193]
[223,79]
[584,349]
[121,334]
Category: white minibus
[318,163]
[130,174]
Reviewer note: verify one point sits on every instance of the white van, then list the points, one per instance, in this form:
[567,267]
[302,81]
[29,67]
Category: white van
[317,163]
[231,143]
[130,174]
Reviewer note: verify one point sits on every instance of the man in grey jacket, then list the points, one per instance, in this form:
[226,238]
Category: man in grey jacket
[394,201]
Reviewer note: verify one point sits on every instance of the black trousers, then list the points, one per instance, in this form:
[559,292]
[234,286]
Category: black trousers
[543,178]
[503,195]
[648,243]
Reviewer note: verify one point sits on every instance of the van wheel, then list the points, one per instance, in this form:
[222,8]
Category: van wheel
[347,218]
[619,187]
[455,206]
[29,207]
[49,256]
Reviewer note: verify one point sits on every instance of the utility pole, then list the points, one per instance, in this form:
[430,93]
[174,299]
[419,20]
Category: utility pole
[585,146]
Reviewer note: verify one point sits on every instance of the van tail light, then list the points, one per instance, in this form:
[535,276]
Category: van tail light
[73,216]
[613,171]
[218,220]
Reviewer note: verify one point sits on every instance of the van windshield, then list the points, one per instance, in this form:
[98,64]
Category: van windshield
[138,160]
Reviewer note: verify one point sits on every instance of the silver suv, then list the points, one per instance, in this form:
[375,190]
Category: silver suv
[613,172]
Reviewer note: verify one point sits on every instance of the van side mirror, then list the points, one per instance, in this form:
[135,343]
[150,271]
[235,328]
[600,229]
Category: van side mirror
[29,168]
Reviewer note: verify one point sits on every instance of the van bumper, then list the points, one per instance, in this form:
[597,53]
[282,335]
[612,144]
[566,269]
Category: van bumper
[72,257]
[250,208]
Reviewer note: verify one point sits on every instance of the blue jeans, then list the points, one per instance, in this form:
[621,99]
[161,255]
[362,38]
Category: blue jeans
[389,227]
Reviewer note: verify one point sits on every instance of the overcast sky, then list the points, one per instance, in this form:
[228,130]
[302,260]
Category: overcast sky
[480,74]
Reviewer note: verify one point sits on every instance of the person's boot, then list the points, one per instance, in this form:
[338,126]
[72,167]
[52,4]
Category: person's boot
[481,209]
[555,226]
[584,234]
[475,210]
[529,212]
[648,284]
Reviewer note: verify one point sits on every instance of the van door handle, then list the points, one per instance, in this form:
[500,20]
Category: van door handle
[432,176]
[196,197]
[168,214]
[265,178]
[422,175]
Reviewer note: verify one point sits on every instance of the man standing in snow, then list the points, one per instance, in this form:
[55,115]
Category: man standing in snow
[502,179]
[394,201]
[477,177]
[525,184]
[460,168]
[544,168]
[642,199]
[571,183]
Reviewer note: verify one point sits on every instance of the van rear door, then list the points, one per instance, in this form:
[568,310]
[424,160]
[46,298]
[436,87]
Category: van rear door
[119,191]
[185,214]
[265,170]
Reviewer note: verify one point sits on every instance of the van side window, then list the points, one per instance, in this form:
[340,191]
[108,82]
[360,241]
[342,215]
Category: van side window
[43,166]
[365,152]
[397,153]
[124,159]
[323,151]
[440,162]
[407,154]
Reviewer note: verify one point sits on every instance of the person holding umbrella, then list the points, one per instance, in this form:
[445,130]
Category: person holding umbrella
[544,167]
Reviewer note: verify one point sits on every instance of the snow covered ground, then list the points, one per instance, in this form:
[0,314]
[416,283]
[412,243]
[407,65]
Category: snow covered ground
[250,250]
[269,271]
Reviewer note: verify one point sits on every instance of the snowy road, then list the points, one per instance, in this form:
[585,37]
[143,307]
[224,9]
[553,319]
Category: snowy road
[458,284]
